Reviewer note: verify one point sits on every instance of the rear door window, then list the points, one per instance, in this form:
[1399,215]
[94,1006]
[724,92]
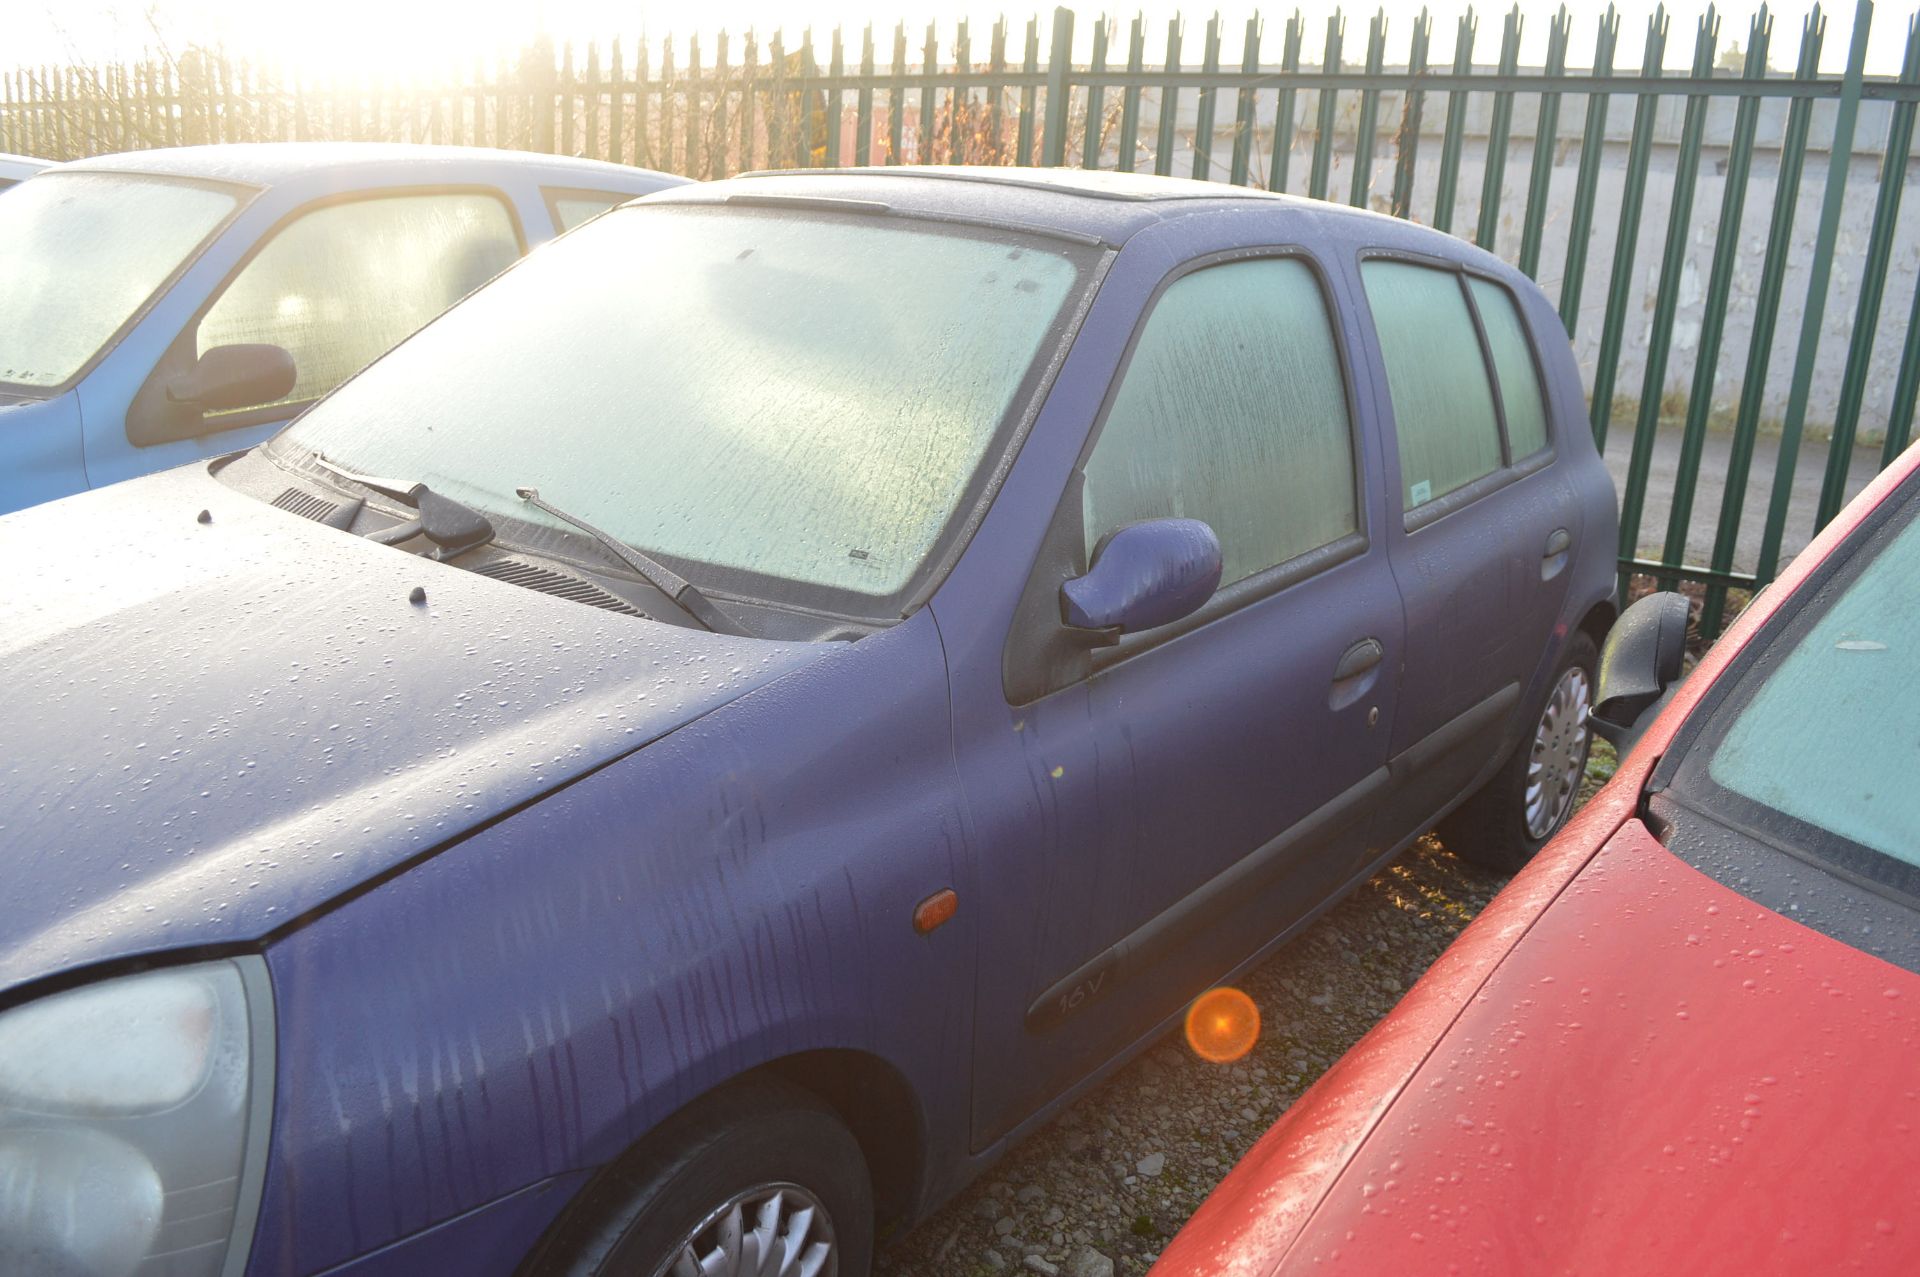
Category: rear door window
[1232,409]
[1444,413]
[341,285]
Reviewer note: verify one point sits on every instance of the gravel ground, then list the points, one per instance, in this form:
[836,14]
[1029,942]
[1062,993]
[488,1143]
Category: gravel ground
[1102,1189]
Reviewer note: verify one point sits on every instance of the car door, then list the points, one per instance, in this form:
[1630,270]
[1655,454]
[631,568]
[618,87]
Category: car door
[1485,525]
[335,284]
[1150,819]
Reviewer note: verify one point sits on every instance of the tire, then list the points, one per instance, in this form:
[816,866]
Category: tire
[763,1151]
[1502,826]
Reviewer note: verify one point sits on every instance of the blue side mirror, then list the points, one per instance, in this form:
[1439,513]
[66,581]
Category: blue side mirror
[1143,575]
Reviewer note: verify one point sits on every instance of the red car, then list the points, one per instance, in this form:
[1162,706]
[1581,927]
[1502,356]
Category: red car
[1686,1038]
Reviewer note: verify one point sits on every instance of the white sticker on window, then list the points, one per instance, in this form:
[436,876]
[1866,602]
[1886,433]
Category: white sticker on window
[1421,492]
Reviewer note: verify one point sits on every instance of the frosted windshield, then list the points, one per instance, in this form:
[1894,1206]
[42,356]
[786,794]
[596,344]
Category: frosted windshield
[798,397]
[80,255]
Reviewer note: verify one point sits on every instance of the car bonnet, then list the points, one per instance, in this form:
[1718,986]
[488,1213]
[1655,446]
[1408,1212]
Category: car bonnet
[214,723]
[1661,1077]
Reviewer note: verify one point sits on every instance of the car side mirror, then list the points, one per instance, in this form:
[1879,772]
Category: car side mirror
[1143,575]
[229,377]
[1639,665]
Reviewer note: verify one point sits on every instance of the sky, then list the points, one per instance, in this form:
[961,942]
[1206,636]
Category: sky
[395,37]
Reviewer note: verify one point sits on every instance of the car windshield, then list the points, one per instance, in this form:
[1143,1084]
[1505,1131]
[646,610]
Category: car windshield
[790,406]
[81,254]
[1822,731]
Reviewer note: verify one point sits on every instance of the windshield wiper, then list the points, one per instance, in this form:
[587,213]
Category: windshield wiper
[453,527]
[681,592]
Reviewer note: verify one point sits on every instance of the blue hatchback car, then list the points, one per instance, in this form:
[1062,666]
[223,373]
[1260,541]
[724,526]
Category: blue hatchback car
[167,306]
[678,766]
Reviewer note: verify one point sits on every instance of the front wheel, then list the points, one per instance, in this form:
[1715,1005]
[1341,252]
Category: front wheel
[1526,802]
[759,1180]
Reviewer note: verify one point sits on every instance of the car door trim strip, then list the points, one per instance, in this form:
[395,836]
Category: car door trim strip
[1206,904]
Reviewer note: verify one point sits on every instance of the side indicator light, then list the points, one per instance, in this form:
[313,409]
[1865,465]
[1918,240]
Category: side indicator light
[1222,1025]
[934,910]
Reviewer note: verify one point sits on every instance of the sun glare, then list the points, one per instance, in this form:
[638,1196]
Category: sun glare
[1222,1025]
[402,41]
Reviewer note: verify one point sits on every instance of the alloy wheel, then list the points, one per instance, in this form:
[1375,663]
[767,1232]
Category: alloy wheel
[772,1230]
[1559,753]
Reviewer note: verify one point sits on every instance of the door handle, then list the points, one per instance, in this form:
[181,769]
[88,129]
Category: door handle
[1555,560]
[1358,659]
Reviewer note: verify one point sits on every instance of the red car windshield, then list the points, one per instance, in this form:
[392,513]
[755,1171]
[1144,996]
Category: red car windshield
[1830,736]
[1810,748]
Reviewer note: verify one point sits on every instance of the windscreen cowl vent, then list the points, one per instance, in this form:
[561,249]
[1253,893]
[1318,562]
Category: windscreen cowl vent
[311,506]
[305,504]
[558,584]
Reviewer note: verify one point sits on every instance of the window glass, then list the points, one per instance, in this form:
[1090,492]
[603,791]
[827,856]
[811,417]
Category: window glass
[1829,737]
[1233,411]
[1520,393]
[574,207]
[735,391]
[1443,410]
[343,284]
[80,255]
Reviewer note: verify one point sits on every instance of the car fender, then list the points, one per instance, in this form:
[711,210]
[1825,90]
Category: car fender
[531,1001]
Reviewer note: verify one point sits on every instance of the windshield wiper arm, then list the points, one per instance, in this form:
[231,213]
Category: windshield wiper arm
[681,592]
[453,527]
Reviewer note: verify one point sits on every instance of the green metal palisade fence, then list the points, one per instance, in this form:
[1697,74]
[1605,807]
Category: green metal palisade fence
[729,107]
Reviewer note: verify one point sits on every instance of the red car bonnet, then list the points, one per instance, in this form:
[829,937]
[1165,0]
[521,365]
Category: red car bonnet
[1663,1077]
[1575,1136]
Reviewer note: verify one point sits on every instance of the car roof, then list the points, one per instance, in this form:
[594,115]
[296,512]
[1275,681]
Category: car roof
[1087,203]
[272,163]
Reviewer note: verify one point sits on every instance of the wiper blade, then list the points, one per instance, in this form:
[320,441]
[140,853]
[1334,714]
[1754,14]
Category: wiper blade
[450,525]
[681,592]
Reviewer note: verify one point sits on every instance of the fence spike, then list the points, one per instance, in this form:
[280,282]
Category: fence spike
[1667,294]
[1447,188]
[1819,277]
[1243,116]
[1053,141]
[1412,106]
[1499,132]
[897,99]
[863,104]
[1873,286]
[1368,123]
[1632,203]
[1164,138]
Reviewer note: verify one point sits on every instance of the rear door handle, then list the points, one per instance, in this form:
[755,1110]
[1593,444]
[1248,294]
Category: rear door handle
[1358,659]
[1555,560]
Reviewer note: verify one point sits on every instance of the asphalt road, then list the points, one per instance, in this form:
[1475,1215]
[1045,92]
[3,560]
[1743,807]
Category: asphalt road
[1665,464]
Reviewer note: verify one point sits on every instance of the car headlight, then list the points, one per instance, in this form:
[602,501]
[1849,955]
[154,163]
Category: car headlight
[133,1118]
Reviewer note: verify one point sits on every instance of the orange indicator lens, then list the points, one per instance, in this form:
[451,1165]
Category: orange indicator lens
[1222,1025]
[934,910]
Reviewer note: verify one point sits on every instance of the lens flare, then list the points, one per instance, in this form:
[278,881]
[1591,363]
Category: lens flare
[1222,1025]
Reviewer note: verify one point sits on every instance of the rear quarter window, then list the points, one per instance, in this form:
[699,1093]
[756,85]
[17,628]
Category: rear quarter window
[572,207]
[1514,363]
